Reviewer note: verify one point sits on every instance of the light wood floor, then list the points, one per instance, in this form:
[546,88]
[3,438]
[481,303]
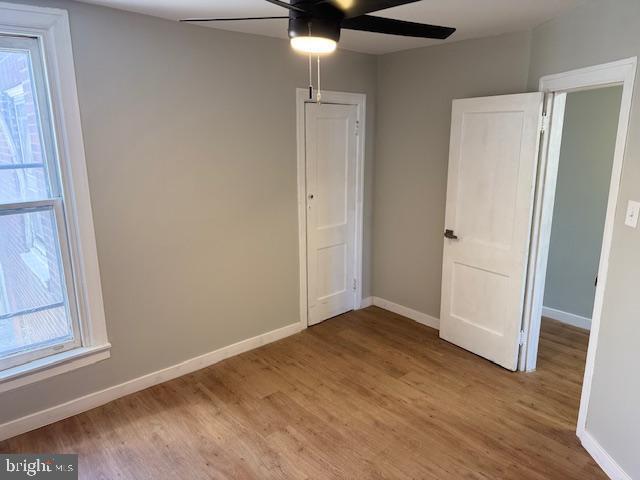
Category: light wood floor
[367,395]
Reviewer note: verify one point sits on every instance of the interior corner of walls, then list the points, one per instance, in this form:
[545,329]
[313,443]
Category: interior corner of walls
[410,313]
[366,302]
[527,80]
[95,399]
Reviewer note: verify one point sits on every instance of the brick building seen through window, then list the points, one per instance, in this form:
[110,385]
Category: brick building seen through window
[32,290]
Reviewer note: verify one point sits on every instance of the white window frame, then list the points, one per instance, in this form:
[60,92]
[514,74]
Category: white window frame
[54,204]
[51,28]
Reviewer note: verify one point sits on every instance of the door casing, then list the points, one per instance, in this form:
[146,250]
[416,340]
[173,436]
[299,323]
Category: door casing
[339,98]
[623,73]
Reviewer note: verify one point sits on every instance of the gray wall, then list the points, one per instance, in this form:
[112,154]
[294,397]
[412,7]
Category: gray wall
[599,32]
[191,152]
[584,176]
[415,90]
[193,215]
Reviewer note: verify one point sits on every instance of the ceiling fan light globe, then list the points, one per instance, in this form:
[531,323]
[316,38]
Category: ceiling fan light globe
[314,45]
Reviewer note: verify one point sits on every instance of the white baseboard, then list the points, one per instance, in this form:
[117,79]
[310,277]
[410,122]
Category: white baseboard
[366,302]
[602,458]
[93,400]
[415,315]
[566,317]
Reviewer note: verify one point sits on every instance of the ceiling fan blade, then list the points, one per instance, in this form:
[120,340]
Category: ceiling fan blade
[286,5]
[229,19]
[369,23]
[355,8]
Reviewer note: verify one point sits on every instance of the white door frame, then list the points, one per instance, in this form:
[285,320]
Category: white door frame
[338,98]
[623,73]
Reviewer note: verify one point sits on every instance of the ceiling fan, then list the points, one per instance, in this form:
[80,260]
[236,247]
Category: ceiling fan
[315,25]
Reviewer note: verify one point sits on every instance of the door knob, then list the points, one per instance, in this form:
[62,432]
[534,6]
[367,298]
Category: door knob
[311,196]
[450,235]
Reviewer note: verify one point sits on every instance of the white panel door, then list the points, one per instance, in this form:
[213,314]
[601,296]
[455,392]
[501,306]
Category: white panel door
[492,170]
[331,148]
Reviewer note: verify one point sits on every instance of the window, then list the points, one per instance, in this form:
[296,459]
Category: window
[50,302]
[37,307]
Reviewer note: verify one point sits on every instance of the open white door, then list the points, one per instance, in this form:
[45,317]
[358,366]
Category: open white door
[331,149]
[490,195]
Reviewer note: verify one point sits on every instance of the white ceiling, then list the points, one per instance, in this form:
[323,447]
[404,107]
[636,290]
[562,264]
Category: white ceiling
[472,18]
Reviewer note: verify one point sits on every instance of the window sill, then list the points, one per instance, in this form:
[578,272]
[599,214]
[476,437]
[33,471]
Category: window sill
[52,365]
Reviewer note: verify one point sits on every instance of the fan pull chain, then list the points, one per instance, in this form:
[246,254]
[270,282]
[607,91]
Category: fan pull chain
[310,79]
[310,70]
[319,96]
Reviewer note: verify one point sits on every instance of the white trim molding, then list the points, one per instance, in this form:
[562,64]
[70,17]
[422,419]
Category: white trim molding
[339,98]
[410,313]
[93,400]
[50,27]
[366,302]
[52,365]
[566,317]
[623,73]
[602,458]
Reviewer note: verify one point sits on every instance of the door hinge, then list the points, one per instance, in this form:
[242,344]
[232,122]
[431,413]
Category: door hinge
[544,126]
[357,127]
[355,284]
[523,337]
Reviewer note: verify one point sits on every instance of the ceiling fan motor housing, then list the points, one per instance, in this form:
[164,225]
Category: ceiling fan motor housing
[322,20]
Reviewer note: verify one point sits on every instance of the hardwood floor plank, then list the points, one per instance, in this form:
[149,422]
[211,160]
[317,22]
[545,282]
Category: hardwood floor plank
[367,395]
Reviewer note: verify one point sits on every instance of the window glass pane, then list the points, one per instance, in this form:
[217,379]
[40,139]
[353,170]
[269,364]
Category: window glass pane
[32,289]
[26,332]
[22,185]
[22,162]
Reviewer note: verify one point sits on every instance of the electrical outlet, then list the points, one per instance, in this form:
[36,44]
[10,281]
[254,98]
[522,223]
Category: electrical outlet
[633,212]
